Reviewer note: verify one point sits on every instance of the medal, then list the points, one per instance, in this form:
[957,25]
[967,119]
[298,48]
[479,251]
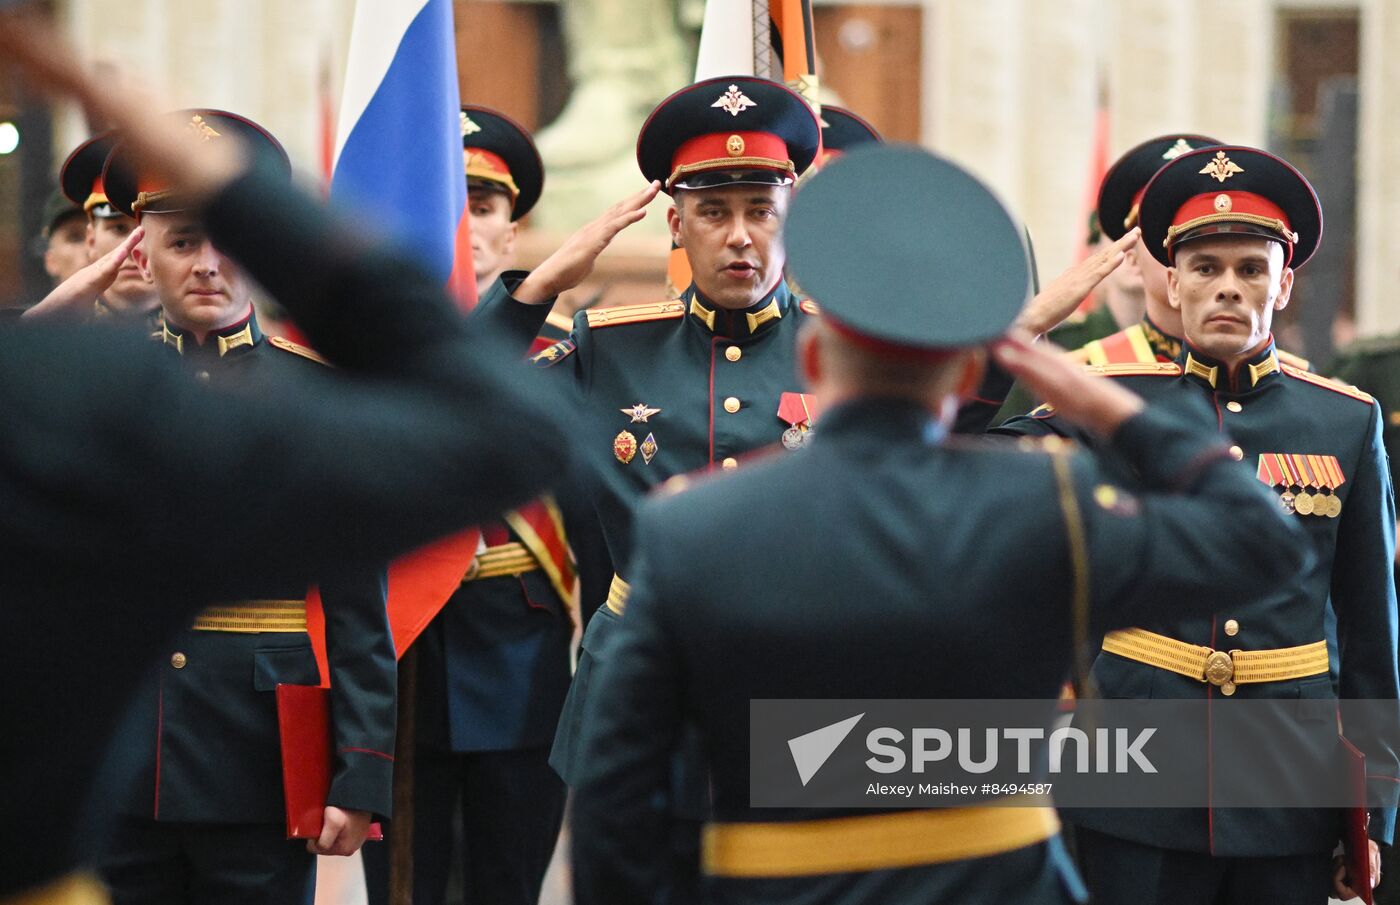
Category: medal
[1334,506]
[1287,499]
[1303,503]
[624,447]
[797,410]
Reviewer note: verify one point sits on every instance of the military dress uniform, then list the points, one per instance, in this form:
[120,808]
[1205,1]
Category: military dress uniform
[204,814]
[680,385]
[494,665]
[854,577]
[1317,446]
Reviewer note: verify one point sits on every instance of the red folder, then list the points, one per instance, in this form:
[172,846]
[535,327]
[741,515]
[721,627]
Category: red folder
[1356,847]
[308,758]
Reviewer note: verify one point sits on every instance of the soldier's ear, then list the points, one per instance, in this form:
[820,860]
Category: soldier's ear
[673,220]
[143,262]
[1285,289]
[970,371]
[1173,289]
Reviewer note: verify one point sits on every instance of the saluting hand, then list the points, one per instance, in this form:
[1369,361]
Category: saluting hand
[75,295]
[342,832]
[1062,296]
[574,260]
[1091,402]
[157,142]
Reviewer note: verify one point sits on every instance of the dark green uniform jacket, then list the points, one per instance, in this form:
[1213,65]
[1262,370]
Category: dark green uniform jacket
[883,563]
[205,730]
[1263,409]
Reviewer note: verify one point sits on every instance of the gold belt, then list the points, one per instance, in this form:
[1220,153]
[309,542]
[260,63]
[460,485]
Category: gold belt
[1224,669]
[75,889]
[874,842]
[512,558]
[251,616]
[618,592]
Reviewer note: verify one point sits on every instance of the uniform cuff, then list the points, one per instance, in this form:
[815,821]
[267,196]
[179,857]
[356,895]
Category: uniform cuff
[364,782]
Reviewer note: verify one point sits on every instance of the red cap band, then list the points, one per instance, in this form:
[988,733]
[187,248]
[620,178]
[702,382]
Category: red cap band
[483,164]
[731,150]
[1232,208]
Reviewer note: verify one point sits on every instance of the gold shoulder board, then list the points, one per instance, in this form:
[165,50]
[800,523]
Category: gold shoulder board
[634,314]
[286,345]
[1136,369]
[1327,383]
[1297,361]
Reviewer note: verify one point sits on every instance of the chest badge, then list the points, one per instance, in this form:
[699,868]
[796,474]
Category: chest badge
[649,449]
[624,447]
[797,409]
[640,412]
[1307,484]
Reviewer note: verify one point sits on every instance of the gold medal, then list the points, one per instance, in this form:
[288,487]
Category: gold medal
[1334,506]
[1303,503]
[1287,499]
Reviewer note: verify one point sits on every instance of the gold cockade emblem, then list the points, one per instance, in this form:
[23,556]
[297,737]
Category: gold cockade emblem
[469,126]
[1176,150]
[199,127]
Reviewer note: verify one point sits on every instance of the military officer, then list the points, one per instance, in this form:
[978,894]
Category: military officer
[494,666]
[432,433]
[63,241]
[1231,224]
[780,581]
[204,818]
[128,294]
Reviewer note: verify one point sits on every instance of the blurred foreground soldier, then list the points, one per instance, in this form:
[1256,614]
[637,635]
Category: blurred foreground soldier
[493,667]
[204,818]
[63,241]
[127,294]
[813,601]
[1231,225]
[111,554]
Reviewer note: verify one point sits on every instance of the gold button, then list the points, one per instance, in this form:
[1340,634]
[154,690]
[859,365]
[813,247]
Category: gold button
[730,462]
[1236,453]
[178,660]
[731,405]
[734,353]
[202,375]
[1232,628]
[1234,406]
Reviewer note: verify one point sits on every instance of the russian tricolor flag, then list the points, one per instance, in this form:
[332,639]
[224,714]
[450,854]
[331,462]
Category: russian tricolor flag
[399,166]
[398,157]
